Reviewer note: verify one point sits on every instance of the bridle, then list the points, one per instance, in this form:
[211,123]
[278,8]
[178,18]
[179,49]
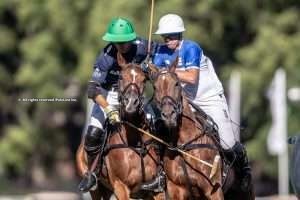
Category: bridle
[139,93]
[168,100]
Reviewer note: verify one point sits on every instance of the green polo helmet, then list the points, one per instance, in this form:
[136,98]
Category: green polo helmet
[119,30]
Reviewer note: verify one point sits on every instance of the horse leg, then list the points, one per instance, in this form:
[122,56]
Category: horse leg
[215,195]
[96,195]
[176,192]
[159,196]
[121,190]
[101,193]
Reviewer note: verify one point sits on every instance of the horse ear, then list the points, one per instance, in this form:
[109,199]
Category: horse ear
[293,139]
[173,66]
[121,61]
[153,68]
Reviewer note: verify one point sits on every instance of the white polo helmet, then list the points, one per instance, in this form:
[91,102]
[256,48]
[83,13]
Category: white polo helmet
[170,23]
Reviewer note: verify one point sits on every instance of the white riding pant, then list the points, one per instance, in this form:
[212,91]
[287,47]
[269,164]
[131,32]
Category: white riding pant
[217,108]
[98,115]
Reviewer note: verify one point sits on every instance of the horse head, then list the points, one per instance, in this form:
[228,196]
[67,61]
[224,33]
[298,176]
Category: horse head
[131,87]
[295,164]
[168,95]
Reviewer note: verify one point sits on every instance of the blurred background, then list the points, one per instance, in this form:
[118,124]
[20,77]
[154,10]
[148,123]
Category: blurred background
[47,51]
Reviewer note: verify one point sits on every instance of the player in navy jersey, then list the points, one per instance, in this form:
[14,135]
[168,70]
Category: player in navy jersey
[102,88]
[201,86]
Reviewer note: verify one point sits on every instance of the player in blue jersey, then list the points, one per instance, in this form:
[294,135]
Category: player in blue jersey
[202,87]
[102,88]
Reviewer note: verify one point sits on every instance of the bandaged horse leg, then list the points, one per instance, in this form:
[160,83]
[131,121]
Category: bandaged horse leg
[158,184]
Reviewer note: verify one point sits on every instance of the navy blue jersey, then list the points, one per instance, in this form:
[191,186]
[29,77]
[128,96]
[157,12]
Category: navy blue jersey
[106,68]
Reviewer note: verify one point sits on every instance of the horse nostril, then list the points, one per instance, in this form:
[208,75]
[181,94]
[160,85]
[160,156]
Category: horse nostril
[135,102]
[164,115]
[173,113]
[169,115]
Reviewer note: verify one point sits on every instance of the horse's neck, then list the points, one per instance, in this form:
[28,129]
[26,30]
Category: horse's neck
[132,134]
[187,111]
[189,127]
[138,119]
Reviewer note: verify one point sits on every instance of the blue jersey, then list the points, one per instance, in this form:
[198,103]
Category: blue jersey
[189,57]
[106,69]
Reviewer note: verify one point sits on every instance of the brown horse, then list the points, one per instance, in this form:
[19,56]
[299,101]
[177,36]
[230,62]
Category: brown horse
[129,157]
[186,177]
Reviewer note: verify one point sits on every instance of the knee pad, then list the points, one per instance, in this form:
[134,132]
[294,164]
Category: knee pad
[93,139]
[93,89]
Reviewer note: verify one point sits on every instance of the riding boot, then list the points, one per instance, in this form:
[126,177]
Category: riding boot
[93,145]
[158,184]
[238,154]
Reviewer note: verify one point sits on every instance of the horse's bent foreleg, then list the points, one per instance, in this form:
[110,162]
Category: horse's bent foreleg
[81,159]
[216,195]
[96,195]
[101,193]
[159,196]
[176,192]
[121,190]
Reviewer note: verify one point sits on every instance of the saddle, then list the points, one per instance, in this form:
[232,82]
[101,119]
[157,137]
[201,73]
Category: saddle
[209,125]
[211,128]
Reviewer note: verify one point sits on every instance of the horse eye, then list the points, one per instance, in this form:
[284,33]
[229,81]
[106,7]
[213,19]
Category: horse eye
[176,84]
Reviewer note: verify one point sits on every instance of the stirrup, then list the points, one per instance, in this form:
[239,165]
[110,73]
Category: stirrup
[156,185]
[88,183]
[94,187]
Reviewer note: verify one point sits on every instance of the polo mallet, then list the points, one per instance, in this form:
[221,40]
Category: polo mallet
[213,166]
[150,30]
